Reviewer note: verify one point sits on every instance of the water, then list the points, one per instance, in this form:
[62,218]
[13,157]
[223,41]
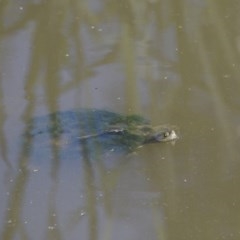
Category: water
[173,62]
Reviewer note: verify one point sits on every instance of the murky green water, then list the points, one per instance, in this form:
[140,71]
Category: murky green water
[173,62]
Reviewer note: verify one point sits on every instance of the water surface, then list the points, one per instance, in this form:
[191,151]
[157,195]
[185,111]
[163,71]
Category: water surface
[174,62]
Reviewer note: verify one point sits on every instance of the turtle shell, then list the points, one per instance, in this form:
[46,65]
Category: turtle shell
[93,129]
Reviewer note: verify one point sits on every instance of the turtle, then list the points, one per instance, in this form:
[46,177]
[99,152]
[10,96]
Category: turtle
[96,129]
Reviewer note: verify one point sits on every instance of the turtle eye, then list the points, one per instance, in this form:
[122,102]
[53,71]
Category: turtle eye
[166,134]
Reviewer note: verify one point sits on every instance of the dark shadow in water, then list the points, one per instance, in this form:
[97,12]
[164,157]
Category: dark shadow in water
[91,140]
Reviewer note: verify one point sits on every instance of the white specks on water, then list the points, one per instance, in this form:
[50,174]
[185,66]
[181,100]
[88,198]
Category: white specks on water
[99,196]
[82,213]
[81,196]
[21,8]
[226,76]
[185,180]
[99,29]
[52,227]
[11,222]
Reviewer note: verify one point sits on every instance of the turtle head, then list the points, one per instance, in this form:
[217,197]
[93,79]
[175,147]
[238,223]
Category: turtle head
[165,136]
[162,133]
[137,135]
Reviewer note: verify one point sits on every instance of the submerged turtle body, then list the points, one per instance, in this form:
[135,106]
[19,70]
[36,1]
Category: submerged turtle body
[100,129]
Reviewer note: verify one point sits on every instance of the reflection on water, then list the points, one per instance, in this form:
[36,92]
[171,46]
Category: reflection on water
[171,61]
